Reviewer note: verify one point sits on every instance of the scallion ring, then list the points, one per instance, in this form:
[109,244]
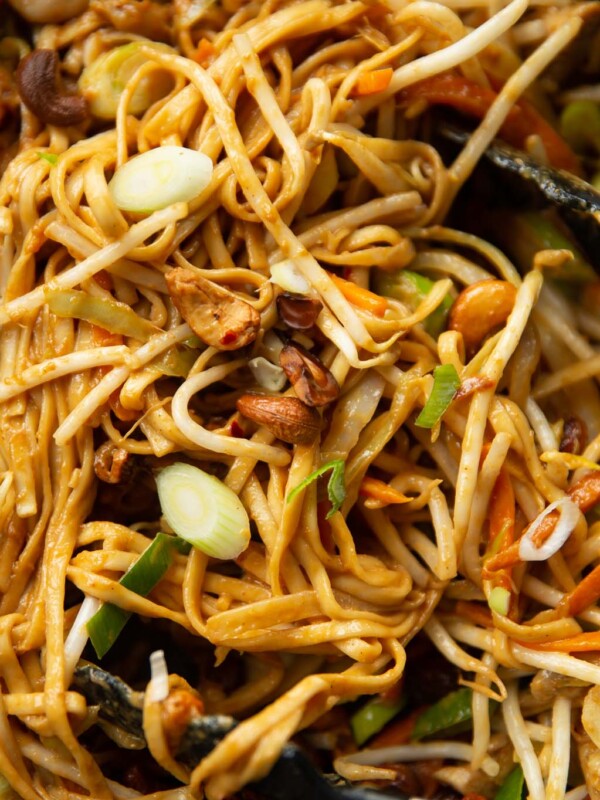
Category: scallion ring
[160,177]
[203,511]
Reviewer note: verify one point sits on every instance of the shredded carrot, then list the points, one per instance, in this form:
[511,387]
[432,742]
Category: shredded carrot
[502,514]
[474,612]
[376,80]
[502,511]
[454,90]
[580,643]
[119,410]
[585,494]
[103,338]
[383,492]
[104,280]
[398,732]
[359,297]
[205,52]
[584,594]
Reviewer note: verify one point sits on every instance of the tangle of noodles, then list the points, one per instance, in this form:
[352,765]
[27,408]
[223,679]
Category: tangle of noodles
[311,169]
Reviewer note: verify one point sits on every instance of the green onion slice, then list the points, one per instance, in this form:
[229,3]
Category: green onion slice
[373,717]
[203,511]
[102,82]
[336,486]
[499,600]
[108,622]
[513,786]
[160,177]
[451,712]
[580,125]
[51,158]
[411,288]
[445,385]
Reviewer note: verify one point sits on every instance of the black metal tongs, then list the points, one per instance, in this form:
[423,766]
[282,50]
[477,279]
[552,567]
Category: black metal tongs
[292,777]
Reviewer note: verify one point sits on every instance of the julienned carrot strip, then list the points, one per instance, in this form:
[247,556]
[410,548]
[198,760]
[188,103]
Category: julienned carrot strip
[502,511]
[378,490]
[376,80]
[204,52]
[585,494]
[523,120]
[103,338]
[104,279]
[474,612]
[398,732]
[581,643]
[584,594]
[359,297]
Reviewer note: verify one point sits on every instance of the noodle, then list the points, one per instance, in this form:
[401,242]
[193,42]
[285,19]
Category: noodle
[382,389]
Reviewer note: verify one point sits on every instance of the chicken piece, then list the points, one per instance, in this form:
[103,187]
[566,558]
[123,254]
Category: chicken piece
[216,315]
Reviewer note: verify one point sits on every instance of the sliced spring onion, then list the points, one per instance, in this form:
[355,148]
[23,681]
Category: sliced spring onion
[513,786]
[580,125]
[160,177]
[109,314]
[569,517]
[453,712]
[499,600]
[411,288]
[267,374]
[102,82]
[78,635]
[106,625]
[373,716]
[51,158]
[445,386]
[203,511]
[286,274]
[336,486]
[158,688]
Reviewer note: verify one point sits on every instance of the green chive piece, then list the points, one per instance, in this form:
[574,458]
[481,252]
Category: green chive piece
[336,487]
[445,385]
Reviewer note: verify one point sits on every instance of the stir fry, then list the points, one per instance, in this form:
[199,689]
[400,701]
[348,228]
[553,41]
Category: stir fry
[299,403]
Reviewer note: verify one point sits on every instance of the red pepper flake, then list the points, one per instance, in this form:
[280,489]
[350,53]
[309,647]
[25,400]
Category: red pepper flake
[228,338]
[471,385]
[236,430]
